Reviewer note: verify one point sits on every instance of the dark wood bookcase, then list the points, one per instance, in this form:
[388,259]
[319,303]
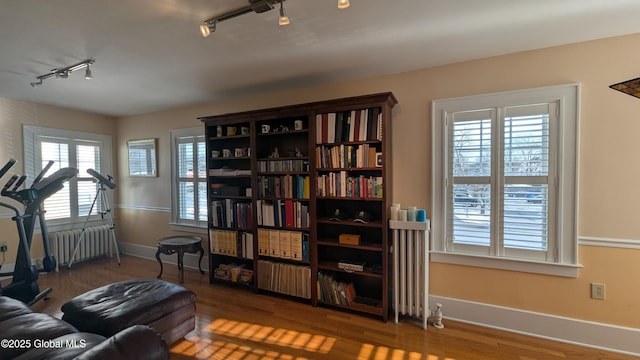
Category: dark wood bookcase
[298,200]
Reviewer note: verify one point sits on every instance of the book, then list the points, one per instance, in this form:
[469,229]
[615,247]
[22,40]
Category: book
[245,276]
[362,134]
[247,248]
[285,244]
[331,128]
[339,126]
[296,245]
[274,243]
[289,213]
[305,247]
[263,242]
[352,125]
[213,242]
[319,129]
[356,125]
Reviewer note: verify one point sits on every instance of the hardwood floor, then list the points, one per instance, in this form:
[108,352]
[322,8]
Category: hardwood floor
[236,324]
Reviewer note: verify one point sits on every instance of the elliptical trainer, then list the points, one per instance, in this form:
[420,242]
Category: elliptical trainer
[24,284]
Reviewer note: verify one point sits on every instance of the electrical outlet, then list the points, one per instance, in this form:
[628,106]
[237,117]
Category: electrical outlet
[597,291]
[3,246]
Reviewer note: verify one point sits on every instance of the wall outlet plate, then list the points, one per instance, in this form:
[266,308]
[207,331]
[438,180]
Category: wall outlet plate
[597,291]
[3,246]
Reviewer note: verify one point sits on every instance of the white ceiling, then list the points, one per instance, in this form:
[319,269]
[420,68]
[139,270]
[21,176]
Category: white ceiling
[149,54]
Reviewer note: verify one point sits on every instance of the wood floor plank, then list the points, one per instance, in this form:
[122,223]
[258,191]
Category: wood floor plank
[236,324]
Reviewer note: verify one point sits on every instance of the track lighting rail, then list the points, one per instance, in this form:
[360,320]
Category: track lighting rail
[63,73]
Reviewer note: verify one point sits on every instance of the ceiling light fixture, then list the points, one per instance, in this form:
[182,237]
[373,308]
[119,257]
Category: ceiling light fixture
[343,4]
[208,28]
[87,73]
[256,6]
[64,72]
[284,19]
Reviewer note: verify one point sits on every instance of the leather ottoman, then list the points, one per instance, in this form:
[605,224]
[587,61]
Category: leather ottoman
[167,308]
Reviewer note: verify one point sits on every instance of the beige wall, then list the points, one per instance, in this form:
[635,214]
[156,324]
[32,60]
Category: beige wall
[14,114]
[608,170]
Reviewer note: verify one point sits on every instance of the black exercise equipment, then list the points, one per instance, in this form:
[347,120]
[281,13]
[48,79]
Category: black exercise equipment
[24,284]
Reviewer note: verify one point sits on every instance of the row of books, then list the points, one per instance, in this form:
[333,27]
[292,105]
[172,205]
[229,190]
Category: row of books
[331,291]
[283,165]
[232,214]
[285,186]
[226,171]
[234,273]
[346,156]
[338,184]
[289,279]
[349,126]
[283,244]
[283,213]
[231,243]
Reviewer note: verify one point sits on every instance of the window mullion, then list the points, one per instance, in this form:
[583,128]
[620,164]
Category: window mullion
[195,179]
[554,249]
[497,182]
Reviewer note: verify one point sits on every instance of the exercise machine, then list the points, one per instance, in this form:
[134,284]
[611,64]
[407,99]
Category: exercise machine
[24,284]
[104,182]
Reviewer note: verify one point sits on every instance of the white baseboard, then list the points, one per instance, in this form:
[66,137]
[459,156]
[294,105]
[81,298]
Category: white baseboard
[580,332]
[149,252]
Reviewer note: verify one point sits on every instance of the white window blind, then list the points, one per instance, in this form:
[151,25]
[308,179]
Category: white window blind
[500,179]
[501,207]
[78,150]
[190,185]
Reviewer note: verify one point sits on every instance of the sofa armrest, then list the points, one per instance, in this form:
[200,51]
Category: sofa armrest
[135,342]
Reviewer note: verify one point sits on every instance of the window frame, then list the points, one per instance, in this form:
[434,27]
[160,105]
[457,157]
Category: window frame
[32,138]
[196,225]
[565,259]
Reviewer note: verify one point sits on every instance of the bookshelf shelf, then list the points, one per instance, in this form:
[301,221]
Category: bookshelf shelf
[340,198]
[296,165]
[365,247]
[225,138]
[213,197]
[360,304]
[351,169]
[334,268]
[350,223]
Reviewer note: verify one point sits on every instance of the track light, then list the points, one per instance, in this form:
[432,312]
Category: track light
[208,28]
[63,73]
[256,6]
[87,73]
[343,4]
[284,19]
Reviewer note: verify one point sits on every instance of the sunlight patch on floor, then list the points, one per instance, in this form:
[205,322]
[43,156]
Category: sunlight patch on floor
[199,347]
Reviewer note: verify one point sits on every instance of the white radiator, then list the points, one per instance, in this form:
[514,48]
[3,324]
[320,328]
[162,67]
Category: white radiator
[411,269]
[95,243]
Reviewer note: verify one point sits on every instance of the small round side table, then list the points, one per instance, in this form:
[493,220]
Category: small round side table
[180,244]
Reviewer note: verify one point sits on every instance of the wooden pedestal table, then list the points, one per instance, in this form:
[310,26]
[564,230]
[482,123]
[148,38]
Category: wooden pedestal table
[180,244]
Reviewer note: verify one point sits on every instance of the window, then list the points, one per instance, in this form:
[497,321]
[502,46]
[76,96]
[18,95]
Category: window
[504,180]
[74,149]
[189,171]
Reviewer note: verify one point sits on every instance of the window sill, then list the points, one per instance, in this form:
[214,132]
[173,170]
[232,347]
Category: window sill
[189,228]
[537,267]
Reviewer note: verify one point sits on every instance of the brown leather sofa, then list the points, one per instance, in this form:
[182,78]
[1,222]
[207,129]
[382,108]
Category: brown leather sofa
[25,334]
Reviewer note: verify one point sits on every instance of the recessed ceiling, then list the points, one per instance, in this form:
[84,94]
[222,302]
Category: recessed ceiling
[150,56]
